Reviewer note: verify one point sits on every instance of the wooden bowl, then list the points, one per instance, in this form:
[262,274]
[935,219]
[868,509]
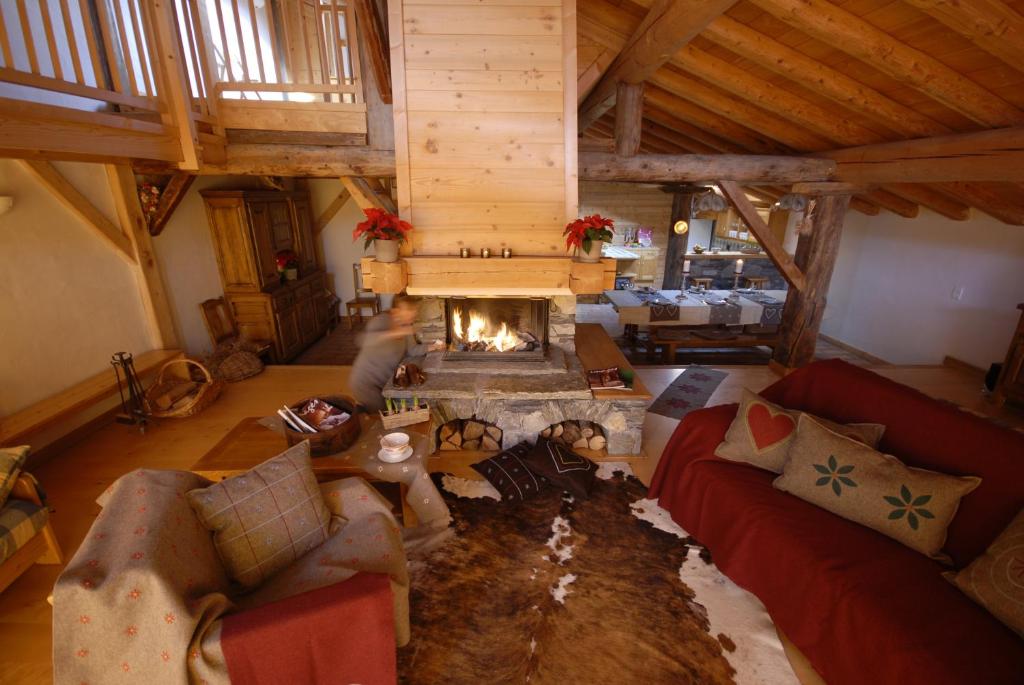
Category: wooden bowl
[331,441]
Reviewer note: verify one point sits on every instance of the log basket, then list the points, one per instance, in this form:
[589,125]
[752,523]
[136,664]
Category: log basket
[328,442]
[182,396]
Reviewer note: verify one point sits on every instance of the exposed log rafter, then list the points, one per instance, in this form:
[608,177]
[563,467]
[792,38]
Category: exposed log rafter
[171,196]
[762,169]
[375,43]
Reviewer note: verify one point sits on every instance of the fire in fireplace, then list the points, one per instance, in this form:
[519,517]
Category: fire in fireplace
[509,328]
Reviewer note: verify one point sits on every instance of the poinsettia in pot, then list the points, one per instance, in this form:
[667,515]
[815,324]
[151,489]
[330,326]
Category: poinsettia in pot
[385,230]
[287,265]
[587,235]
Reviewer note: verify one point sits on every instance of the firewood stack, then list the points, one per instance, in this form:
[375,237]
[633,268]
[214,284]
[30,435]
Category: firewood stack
[469,434]
[578,434]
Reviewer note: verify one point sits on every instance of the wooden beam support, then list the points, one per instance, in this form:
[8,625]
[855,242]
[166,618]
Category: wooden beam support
[670,122]
[842,30]
[173,80]
[827,188]
[815,257]
[366,195]
[747,139]
[1001,201]
[763,169]
[81,206]
[894,203]
[772,245]
[667,27]
[675,253]
[332,209]
[173,193]
[375,45]
[934,200]
[991,25]
[589,144]
[155,299]
[781,59]
[677,140]
[996,155]
[292,160]
[629,115]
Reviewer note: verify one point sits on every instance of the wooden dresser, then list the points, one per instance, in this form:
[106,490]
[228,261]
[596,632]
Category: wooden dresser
[249,228]
[1011,378]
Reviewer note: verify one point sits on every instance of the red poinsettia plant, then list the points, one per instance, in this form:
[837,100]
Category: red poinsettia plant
[381,225]
[286,259]
[583,232]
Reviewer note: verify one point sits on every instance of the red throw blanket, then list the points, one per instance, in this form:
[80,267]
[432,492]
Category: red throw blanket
[342,633]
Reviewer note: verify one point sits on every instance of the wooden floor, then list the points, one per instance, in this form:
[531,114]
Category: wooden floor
[74,478]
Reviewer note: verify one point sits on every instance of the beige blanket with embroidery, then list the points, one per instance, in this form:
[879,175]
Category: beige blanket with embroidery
[142,599]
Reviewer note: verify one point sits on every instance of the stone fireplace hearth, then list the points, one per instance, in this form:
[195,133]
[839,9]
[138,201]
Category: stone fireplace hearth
[520,398]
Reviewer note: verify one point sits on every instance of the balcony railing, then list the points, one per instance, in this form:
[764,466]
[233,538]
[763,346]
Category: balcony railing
[177,73]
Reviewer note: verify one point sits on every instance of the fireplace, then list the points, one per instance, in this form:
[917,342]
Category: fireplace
[496,328]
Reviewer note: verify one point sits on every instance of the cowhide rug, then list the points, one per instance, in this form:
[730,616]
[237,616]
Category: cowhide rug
[556,590]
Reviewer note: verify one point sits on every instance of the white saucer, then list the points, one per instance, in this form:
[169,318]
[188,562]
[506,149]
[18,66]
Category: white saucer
[387,457]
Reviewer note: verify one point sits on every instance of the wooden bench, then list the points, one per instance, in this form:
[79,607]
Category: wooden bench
[597,350]
[671,344]
[65,405]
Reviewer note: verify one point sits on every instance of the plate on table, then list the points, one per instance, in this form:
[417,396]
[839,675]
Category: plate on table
[393,458]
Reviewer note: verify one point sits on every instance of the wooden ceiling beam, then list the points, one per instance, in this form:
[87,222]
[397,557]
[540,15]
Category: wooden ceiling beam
[747,139]
[366,195]
[991,25]
[592,75]
[935,200]
[996,156]
[290,160]
[668,26]
[781,59]
[596,166]
[79,205]
[771,244]
[1006,206]
[696,133]
[681,141]
[595,144]
[836,27]
[894,203]
[739,111]
[170,197]
[826,188]
[864,206]
[742,84]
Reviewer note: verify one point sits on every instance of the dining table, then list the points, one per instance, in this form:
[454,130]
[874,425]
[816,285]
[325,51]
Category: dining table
[648,307]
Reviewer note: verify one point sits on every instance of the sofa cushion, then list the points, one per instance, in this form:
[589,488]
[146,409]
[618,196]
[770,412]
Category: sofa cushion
[562,467]
[995,580]
[20,521]
[914,506]
[924,433]
[508,473]
[762,432]
[12,460]
[838,590]
[265,518]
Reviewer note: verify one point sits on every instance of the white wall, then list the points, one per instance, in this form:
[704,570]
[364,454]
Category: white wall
[67,301]
[340,252]
[891,290]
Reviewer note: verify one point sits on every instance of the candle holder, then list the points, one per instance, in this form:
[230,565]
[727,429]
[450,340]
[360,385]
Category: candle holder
[464,252]
[485,252]
[506,253]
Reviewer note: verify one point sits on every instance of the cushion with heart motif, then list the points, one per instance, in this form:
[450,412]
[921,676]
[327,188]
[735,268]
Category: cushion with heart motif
[762,432]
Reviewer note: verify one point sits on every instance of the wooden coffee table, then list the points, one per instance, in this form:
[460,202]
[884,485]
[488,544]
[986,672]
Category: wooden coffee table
[249,444]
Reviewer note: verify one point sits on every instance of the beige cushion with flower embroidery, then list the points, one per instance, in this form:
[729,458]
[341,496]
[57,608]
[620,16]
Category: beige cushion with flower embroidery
[762,432]
[913,506]
[995,580]
[265,518]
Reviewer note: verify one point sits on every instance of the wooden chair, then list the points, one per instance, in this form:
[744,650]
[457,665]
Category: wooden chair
[757,282]
[364,298]
[221,326]
[706,282]
[41,548]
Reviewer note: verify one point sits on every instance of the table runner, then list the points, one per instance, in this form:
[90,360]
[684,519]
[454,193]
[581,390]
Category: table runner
[633,307]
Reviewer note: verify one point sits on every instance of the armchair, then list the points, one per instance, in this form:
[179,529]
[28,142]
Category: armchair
[146,594]
[26,536]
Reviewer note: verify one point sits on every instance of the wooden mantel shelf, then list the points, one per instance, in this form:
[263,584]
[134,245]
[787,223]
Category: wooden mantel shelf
[515,276]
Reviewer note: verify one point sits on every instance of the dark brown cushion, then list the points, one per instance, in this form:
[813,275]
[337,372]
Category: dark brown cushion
[564,468]
[507,472]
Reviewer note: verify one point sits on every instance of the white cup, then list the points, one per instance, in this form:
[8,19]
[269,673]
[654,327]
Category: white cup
[395,443]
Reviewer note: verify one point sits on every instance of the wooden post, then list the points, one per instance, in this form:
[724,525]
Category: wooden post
[816,257]
[629,116]
[155,299]
[677,244]
[176,96]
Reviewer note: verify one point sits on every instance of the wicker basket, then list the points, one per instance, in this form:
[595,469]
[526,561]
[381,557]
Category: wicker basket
[331,441]
[397,419]
[192,400]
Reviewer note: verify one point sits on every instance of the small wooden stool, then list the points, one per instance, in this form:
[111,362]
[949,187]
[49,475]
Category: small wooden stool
[757,282]
[706,282]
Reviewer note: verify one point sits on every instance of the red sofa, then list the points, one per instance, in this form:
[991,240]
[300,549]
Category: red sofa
[862,607]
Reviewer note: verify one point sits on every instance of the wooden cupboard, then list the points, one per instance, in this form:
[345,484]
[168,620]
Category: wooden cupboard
[249,228]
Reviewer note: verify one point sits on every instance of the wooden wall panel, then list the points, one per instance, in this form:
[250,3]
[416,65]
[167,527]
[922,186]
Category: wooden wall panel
[485,123]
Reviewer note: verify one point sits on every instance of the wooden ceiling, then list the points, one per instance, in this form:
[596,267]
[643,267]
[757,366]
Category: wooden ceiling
[800,76]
